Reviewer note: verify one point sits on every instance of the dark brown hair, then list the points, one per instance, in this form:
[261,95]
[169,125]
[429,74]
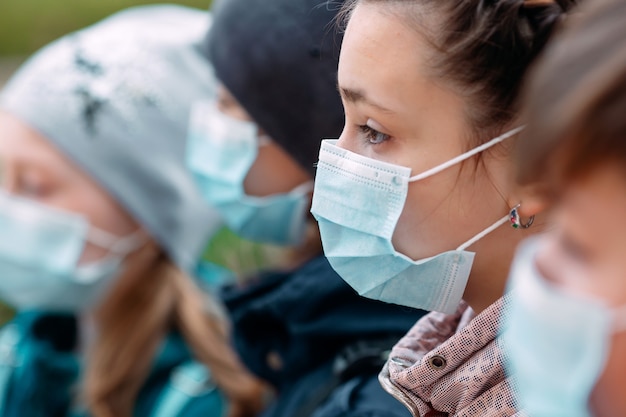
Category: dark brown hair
[481,48]
[576,98]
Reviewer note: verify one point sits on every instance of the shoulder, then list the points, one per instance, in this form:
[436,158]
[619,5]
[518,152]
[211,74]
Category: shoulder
[38,366]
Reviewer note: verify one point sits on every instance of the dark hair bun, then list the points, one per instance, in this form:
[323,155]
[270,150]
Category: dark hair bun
[542,18]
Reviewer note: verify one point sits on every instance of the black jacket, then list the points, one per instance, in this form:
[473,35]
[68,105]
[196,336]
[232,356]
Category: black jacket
[290,328]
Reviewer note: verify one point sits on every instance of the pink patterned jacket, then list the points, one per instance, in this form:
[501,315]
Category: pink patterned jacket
[452,365]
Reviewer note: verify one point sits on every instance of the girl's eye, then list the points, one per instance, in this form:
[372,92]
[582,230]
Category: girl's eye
[32,186]
[373,136]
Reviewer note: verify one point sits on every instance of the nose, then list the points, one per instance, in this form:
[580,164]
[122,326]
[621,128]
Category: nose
[347,139]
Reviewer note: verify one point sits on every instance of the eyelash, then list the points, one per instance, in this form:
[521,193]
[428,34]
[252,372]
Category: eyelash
[373,136]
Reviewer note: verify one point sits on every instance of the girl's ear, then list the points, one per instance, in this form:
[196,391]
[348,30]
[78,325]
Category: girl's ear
[533,199]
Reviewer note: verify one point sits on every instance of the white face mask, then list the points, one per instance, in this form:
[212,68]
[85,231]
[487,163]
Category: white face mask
[557,343]
[357,202]
[40,251]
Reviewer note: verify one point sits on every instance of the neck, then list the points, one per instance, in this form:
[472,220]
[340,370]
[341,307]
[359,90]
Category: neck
[494,254]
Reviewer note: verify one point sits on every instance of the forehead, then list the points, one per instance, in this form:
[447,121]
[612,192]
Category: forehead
[16,137]
[21,143]
[381,54]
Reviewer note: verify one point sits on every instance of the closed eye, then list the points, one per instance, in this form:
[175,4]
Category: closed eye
[33,183]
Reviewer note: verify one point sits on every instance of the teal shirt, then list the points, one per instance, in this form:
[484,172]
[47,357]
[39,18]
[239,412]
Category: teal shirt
[39,372]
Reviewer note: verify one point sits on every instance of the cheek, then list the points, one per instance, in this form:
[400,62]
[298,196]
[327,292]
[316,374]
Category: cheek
[101,210]
[432,220]
[85,197]
[608,397]
[414,235]
[446,210]
[273,172]
[110,216]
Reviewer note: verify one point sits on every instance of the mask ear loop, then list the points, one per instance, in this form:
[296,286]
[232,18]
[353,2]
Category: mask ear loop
[305,187]
[483,233]
[516,222]
[619,319]
[513,217]
[114,244]
[263,140]
[466,155]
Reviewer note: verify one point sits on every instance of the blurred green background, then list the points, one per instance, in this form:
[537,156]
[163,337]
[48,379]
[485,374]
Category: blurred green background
[27,25]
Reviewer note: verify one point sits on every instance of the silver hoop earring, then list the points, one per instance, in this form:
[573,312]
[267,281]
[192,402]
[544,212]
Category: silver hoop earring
[516,223]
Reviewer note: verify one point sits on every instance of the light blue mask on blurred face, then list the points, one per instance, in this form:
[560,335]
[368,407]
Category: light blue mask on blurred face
[40,249]
[220,152]
[557,343]
[357,202]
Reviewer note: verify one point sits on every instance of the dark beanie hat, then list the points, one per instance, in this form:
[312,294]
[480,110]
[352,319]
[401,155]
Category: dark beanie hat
[279,59]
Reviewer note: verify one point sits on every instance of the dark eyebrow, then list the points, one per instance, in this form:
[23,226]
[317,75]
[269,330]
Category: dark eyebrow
[358,96]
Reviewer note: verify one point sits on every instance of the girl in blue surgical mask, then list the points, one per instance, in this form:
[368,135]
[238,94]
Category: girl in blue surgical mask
[253,154]
[415,201]
[262,193]
[253,150]
[101,227]
[567,326]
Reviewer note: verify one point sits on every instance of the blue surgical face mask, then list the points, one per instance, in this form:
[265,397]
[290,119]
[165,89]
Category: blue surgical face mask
[357,202]
[220,152]
[557,343]
[40,251]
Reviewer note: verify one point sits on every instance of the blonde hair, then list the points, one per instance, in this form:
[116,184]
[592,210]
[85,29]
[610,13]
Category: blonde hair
[149,300]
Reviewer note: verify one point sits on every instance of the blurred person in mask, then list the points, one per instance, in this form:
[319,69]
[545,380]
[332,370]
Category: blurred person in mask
[102,226]
[566,330]
[252,152]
